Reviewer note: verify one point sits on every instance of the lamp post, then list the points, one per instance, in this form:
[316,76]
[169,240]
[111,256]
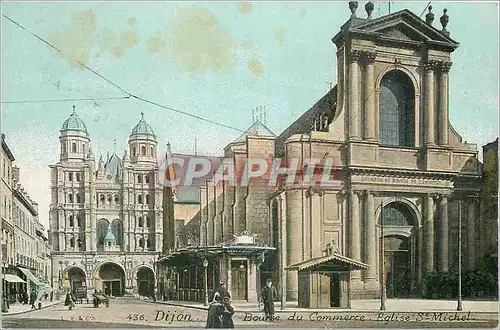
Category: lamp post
[205,266]
[459,302]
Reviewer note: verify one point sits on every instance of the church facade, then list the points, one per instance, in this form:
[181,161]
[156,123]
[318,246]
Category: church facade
[106,216]
[399,165]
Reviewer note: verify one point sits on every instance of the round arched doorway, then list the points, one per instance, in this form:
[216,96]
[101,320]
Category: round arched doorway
[75,280]
[399,252]
[112,279]
[145,282]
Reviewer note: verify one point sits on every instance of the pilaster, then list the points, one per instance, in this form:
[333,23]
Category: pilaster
[369,97]
[370,238]
[354,108]
[428,239]
[444,233]
[444,68]
[429,68]
[354,243]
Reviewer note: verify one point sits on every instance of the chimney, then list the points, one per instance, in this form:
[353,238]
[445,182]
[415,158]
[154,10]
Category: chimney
[15,174]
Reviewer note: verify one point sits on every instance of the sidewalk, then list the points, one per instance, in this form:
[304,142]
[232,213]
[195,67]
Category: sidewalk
[20,309]
[392,305]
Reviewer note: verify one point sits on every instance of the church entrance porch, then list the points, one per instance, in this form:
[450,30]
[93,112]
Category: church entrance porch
[145,281]
[75,281]
[109,278]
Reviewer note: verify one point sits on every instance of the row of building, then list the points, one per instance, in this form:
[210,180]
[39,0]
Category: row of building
[26,264]
[399,164]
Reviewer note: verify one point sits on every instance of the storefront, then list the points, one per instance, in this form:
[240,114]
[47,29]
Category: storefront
[193,273]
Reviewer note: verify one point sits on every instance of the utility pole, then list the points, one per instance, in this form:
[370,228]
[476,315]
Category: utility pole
[459,302]
[382,266]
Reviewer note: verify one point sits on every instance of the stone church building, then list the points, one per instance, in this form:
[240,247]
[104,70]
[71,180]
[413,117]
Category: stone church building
[399,163]
[105,217]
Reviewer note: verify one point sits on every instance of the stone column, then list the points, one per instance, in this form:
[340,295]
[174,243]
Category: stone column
[252,281]
[471,235]
[429,103]
[444,68]
[369,97]
[354,116]
[444,232]
[428,239]
[370,239]
[355,233]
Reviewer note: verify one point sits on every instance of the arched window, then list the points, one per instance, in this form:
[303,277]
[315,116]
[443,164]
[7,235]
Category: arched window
[72,242]
[77,177]
[102,199]
[134,151]
[143,151]
[397,110]
[70,176]
[73,147]
[148,177]
[102,229]
[139,178]
[110,199]
[141,243]
[79,219]
[397,214]
[71,221]
[117,199]
[79,243]
[78,198]
[147,199]
[152,152]
[117,229]
[70,198]
[139,199]
[140,222]
[150,242]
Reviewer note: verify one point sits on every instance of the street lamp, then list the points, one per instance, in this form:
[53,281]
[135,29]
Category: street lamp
[205,266]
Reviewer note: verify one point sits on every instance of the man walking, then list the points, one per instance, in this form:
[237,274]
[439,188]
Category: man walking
[269,294]
[33,299]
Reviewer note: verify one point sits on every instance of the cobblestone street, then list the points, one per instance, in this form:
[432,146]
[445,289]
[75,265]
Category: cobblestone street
[141,314]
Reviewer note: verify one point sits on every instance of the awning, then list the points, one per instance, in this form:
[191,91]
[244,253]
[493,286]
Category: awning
[333,262]
[30,276]
[13,278]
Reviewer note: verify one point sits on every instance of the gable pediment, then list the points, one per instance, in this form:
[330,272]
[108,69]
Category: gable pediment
[404,26]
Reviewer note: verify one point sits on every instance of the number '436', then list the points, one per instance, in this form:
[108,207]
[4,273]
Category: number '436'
[135,317]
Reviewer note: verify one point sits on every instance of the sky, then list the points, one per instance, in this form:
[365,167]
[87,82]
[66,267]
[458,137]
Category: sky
[217,60]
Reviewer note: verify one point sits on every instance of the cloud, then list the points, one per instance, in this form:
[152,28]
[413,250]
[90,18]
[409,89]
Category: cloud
[255,67]
[83,35]
[77,41]
[245,7]
[280,34]
[196,40]
[132,21]
[247,44]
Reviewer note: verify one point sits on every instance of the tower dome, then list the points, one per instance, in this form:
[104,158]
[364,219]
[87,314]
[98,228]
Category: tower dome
[142,143]
[74,123]
[142,128]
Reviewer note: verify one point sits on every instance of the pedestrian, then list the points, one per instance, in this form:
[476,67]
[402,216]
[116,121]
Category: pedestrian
[268,296]
[51,295]
[227,314]
[222,291]
[69,301]
[214,315]
[33,299]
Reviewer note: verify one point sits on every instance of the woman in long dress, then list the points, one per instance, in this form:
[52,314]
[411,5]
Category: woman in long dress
[227,314]
[69,301]
[214,315]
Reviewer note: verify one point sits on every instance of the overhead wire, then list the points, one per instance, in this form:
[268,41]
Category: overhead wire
[129,95]
[69,100]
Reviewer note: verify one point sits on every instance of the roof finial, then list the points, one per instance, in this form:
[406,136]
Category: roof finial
[74,110]
[114,146]
[142,114]
[444,21]
[429,18]
[369,9]
[353,5]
